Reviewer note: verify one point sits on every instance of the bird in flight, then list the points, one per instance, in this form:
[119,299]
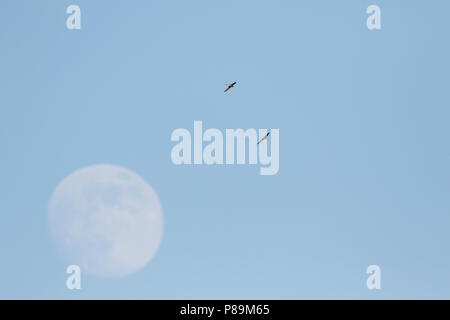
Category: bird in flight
[230,86]
[263,138]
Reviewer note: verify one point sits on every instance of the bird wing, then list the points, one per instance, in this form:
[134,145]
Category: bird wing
[231,85]
[262,139]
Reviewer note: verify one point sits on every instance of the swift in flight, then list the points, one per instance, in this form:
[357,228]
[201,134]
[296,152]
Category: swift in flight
[263,138]
[230,86]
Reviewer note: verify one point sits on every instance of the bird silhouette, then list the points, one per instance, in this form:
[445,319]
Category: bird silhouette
[230,86]
[263,138]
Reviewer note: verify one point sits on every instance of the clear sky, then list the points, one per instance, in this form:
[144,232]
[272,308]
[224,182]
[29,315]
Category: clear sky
[364,143]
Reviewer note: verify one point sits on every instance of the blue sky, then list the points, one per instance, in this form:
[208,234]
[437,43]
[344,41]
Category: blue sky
[364,155]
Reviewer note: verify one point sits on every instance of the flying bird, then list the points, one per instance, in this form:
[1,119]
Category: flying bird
[230,86]
[263,138]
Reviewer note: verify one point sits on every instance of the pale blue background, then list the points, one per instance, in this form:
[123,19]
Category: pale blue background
[364,142]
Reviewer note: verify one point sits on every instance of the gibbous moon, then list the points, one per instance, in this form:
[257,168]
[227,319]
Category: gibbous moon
[106,219]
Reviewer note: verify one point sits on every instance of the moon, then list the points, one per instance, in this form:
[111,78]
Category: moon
[106,219]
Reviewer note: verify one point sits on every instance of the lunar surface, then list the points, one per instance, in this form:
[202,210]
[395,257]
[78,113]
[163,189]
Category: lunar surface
[106,219]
